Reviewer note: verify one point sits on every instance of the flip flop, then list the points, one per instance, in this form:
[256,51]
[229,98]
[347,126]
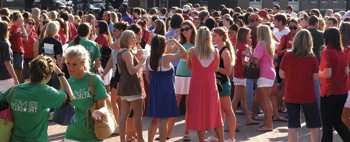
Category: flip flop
[258,118]
[264,129]
[253,123]
[131,140]
[186,138]
[158,138]
[280,119]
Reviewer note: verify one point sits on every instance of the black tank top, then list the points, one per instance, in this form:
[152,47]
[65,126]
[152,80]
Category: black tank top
[223,78]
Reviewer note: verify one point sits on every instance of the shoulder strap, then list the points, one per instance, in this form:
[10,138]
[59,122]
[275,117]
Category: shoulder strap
[93,97]
[222,50]
[8,110]
[161,62]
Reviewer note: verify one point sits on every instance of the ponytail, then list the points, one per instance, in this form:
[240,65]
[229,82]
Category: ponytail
[231,51]
[77,40]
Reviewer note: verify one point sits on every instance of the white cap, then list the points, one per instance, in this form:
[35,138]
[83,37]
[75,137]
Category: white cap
[186,8]
[346,15]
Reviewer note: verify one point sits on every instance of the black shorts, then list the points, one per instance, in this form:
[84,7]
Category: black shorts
[311,112]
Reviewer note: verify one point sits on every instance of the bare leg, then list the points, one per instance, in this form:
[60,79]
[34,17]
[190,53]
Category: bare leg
[114,98]
[137,107]
[163,129]
[152,129]
[274,100]
[201,135]
[315,134]
[124,114]
[219,131]
[226,107]
[292,134]
[172,120]
[264,97]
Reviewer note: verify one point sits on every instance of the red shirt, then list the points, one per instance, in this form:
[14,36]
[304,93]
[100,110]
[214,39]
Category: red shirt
[73,32]
[285,38]
[102,39]
[299,84]
[186,17]
[28,44]
[16,39]
[239,67]
[63,36]
[336,60]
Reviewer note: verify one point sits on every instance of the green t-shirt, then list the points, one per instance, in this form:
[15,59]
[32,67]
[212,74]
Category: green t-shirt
[182,69]
[30,107]
[82,102]
[91,47]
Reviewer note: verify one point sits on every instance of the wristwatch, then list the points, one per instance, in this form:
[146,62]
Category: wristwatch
[61,74]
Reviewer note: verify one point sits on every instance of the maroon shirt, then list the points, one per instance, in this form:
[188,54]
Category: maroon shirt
[16,39]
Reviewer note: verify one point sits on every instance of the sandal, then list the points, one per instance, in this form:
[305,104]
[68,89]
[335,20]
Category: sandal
[253,123]
[131,140]
[158,138]
[280,119]
[264,129]
[186,138]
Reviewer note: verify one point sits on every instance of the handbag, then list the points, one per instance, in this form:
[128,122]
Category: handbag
[251,71]
[64,115]
[107,125]
[6,120]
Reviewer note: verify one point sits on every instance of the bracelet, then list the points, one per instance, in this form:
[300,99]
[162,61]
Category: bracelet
[60,74]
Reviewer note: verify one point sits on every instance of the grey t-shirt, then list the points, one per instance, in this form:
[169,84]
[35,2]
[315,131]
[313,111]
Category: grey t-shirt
[5,55]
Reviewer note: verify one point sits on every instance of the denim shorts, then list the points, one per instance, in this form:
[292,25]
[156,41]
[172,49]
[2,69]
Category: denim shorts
[311,112]
[18,60]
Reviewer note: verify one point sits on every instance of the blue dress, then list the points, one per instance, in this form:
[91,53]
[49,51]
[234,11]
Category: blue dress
[162,99]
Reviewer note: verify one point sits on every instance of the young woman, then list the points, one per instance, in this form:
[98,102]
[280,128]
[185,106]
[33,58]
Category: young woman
[63,31]
[92,47]
[299,89]
[263,56]
[78,64]
[188,34]
[104,39]
[8,77]
[129,84]
[160,74]
[226,62]
[118,28]
[159,29]
[333,72]
[203,97]
[35,92]
[242,49]
[28,47]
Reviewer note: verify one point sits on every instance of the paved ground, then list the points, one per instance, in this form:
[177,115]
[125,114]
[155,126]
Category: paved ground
[246,134]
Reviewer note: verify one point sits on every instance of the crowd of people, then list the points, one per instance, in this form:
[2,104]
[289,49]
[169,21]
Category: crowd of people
[147,62]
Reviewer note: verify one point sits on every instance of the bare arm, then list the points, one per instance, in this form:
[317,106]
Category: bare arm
[36,48]
[182,51]
[11,71]
[282,74]
[345,117]
[128,58]
[59,60]
[218,63]
[326,73]
[63,81]
[23,32]
[147,73]
[108,67]
[97,114]
[189,58]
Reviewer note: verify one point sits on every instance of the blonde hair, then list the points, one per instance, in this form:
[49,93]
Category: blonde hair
[264,36]
[223,32]
[51,29]
[52,15]
[203,44]
[114,17]
[80,52]
[302,44]
[36,13]
[124,42]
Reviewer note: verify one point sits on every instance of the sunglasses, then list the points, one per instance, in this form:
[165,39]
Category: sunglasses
[185,29]
[293,27]
[30,23]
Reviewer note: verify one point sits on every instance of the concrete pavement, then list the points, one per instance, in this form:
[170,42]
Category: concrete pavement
[247,133]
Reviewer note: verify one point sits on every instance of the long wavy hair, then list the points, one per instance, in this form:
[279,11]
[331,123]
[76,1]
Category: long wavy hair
[157,50]
[183,39]
[223,32]
[204,45]
[302,44]
[264,36]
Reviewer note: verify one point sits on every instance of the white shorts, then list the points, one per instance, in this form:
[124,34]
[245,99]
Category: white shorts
[264,82]
[238,81]
[131,98]
[182,85]
[6,84]
[347,103]
[108,77]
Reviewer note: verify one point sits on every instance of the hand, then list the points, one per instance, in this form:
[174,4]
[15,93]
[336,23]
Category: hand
[15,82]
[142,59]
[56,69]
[97,115]
[176,34]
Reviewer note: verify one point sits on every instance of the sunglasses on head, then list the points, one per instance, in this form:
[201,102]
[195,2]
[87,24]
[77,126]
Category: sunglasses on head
[293,27]
[185,29]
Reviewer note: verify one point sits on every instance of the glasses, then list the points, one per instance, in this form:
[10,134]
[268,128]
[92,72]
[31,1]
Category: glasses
[185,29]
[293,27]
[30,23]
[96,26]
